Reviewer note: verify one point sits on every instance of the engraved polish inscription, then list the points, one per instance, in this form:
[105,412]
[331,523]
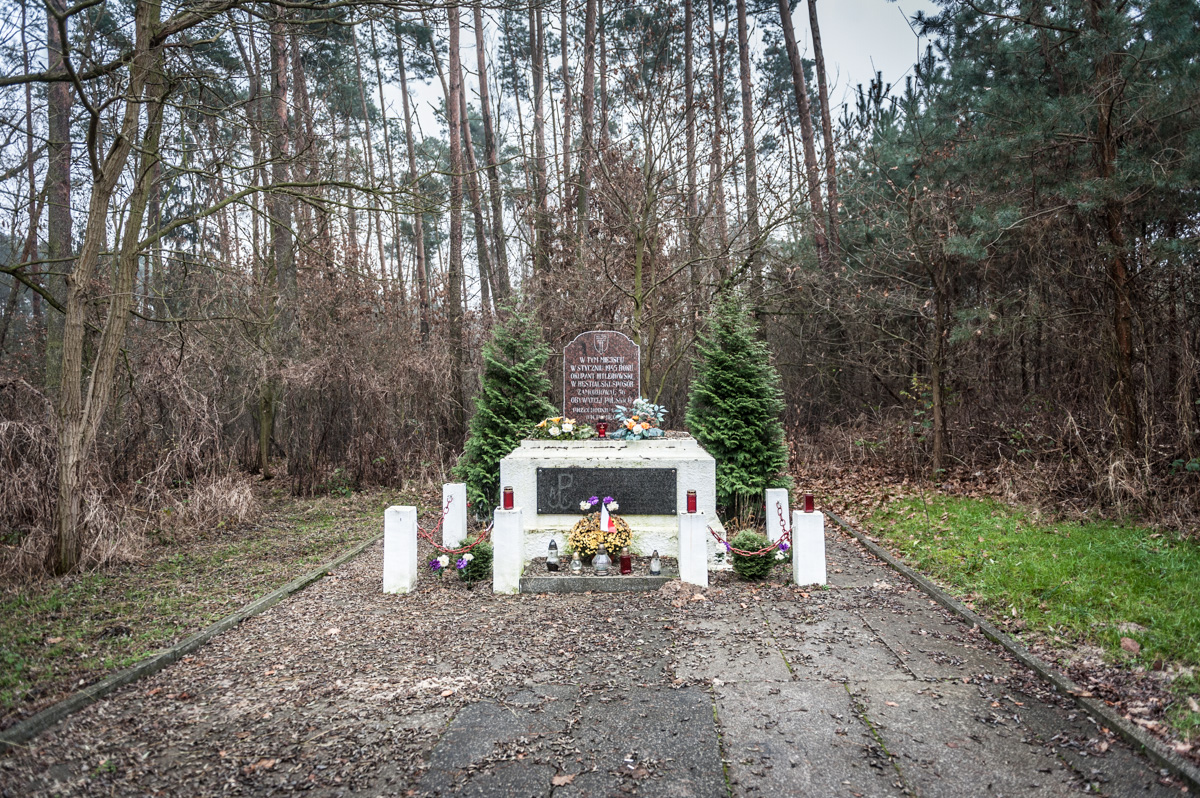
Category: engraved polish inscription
[601,369]
[638,491]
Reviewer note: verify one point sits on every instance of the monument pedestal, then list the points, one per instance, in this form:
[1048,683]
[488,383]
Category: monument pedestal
[649,480]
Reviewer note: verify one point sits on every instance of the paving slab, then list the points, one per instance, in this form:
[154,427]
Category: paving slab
[734,646]
[802,738]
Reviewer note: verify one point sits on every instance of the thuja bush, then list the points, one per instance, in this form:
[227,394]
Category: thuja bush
[510,401]
[755,566]
[479,566]
[734,408]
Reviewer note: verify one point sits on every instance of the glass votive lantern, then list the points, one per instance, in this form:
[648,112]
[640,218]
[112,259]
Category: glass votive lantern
[552,556]
[691,501]
[655,564]
[601,429]
[507,501]
[601,562]
[576,564]
[626,561]
[808,503]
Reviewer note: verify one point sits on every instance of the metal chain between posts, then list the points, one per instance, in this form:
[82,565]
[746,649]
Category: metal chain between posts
[783,544]
[463,550]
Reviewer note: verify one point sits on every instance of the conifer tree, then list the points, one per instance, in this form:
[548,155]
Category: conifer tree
[734,408]
[511,400]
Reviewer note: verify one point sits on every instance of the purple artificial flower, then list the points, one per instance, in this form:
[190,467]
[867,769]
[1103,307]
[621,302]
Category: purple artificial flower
[434,565]
[462,563]
[593,500]
[608,499]
[783,546]
[727,546]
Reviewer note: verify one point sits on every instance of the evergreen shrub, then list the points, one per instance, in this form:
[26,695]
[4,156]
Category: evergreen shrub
[734,408]
[511,400]
[480,566]
[758,566]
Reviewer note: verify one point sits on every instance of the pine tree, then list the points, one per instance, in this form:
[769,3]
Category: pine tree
[734,408]
[511,400]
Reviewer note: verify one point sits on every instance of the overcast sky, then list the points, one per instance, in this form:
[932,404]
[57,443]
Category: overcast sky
[862,37]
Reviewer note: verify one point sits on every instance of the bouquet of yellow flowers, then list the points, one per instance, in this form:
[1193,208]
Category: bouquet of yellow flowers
[590,531]
[561,428]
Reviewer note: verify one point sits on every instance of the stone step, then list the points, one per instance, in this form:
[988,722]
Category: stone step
[614,583]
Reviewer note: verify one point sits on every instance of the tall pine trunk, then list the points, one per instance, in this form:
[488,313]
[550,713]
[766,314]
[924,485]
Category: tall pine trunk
[454,272]
[749,154]
[418,224]
[826,133]
[500,266]
[541,213]
[806,136]
[59,241]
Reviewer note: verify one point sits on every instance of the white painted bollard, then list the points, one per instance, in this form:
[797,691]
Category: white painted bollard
[777,499]
[454,505]
[693,549]
[399,549]
[808,548]
[508,551]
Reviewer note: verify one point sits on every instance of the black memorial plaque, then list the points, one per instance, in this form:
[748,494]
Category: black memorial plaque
[601,369]
[638,491]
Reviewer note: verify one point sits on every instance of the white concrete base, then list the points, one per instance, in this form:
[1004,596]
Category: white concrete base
[693,549]
[695,470]
[454,505]
[808,548]
[399,549]
[508,551]
[777,499]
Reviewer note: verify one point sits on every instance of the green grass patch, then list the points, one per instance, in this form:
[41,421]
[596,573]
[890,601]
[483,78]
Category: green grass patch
[59,634]
[1081,581]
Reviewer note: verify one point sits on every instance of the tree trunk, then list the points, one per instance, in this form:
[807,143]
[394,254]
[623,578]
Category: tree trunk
[486,278]
[503,285]
[541,258]
[1106,150]
[568,207]
[826,133]
[79,420]
[717,165]
[455,270]
[59,243]
[603,24]
[807,137]
[391,167]
[689,83]
[418,227]
[749,153]
[587,123]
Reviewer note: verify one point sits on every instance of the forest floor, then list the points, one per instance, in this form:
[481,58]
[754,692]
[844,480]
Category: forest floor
[63,634]
[341,689]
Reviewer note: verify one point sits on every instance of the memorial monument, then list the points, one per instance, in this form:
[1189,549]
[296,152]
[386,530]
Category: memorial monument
[649,478]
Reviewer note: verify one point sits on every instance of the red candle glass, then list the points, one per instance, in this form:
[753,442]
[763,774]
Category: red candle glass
[691,501]
[808,502]
[601,429]
[508,499]
[626,561]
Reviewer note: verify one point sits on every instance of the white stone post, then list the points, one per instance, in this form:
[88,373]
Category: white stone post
[776,498]
[454,505]
[399,549]
[808,548]
[693,549]
[508,551]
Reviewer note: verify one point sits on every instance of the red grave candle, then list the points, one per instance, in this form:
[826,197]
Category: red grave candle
[808,502]
[626,561]
[691,501]
[508,499]
[601,429]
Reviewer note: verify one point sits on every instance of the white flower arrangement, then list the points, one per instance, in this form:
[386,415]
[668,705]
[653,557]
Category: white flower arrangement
[468,556]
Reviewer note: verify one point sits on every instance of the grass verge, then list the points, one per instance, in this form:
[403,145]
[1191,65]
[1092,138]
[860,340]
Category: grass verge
[62,634]
[1092,583]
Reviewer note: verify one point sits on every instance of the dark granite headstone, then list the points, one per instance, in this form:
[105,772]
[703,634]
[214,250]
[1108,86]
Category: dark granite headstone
[638,491]
[601,369]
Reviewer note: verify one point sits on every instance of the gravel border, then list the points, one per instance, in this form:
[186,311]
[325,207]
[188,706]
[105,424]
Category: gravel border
[1148,744]
[26,730]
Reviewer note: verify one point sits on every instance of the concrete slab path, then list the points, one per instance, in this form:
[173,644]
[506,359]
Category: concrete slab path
[863,689]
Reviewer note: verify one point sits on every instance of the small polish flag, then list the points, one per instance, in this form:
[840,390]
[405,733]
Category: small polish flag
[606,521]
